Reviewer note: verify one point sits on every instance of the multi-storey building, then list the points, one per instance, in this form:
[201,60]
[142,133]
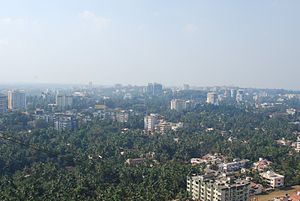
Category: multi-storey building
[64,101]
[150,121]
[212,98]
[273,179]
[164,126]
[233,93]
[16,100]
[214,187]
[240,96]
[154,89]
[235,165]
[64,122]
[3,103]
[156,123]
[178,105]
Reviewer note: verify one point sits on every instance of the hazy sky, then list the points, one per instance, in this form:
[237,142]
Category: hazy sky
[246,43]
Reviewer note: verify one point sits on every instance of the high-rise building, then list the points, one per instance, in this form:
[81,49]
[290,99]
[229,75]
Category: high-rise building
[211,187]
[154,89]
[16,100]
[150,121]
[233,93]
[240,96]
[64,101]
[212,98]
[149,89]
[3,103]
[178,105]
[157,89]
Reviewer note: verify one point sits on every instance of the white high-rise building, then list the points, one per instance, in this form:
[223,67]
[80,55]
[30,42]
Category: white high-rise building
[16,100]
[212,98]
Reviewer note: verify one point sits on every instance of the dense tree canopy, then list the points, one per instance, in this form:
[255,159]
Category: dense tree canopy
[89,163]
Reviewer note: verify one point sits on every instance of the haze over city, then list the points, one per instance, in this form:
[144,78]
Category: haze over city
[147,100]
[248,44]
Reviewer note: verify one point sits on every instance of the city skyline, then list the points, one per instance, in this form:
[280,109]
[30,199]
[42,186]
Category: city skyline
[252,44]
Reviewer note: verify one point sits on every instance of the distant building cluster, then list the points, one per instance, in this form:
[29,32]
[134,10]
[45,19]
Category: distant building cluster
[209,159]
[64,122]
[154,89]
[295,145]
[221,177]
[117,114]
[220,162]
[15,100]
[156,123]
[67,121]
[232,95]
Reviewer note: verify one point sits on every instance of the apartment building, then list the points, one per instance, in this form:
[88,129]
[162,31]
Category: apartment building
[214,187]
[16,100]
[273,179]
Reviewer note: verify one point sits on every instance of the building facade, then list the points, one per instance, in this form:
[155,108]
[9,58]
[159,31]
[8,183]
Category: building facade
[178,105]
[154,89]
[240,96]
[233,166]
[211,187]
[65,123]
[16,100]
[150,122]
[3,104]
[233,93]
[273,179]
[212,98]
[64,101]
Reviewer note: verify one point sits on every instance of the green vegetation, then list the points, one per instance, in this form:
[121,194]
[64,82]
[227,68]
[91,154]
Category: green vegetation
[89,163]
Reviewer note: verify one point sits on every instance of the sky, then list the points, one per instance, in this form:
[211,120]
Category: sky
[199,42]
